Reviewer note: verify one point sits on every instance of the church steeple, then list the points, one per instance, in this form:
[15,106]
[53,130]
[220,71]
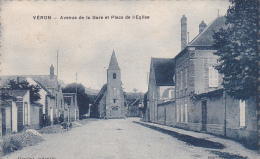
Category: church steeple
[113,65]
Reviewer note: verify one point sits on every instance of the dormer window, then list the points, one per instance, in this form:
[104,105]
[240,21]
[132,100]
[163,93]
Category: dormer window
[114,75]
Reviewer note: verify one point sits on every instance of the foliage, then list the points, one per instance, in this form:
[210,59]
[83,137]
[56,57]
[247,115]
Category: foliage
[24,85]
[94,111]
[237,48]
[82,97]
[16,142]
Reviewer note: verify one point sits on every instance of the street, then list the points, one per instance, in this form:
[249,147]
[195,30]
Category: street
[111,139]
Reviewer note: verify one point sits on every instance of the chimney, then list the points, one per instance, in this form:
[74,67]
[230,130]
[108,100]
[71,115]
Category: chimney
[183,32]
[18,80]
[51,72]
[202,26]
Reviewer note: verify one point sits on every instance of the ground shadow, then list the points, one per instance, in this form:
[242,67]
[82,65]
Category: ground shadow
[186,138]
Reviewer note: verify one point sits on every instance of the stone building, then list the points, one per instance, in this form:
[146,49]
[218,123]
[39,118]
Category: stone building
[161,91]
[50,92]
[110,100]
[201,102]
[16,111]
[194,70]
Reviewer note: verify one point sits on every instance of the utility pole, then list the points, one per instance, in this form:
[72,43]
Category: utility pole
[76,96]
[188,37]
[57,66]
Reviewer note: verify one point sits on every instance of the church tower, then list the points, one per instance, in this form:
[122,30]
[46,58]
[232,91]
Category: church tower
[114,96]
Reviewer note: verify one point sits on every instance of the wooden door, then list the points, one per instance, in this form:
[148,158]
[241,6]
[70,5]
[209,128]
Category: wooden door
[40,118]
[204,115]
[3,122]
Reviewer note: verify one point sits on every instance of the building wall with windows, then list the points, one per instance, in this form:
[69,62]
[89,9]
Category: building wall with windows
[161,88]
[226,116]
[242,121]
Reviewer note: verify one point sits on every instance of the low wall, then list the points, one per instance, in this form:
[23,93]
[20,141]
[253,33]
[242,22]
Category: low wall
[215,129]
[195,126]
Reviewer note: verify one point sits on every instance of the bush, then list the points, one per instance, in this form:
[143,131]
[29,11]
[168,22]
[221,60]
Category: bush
[11,144]
[16,142]
[55,121]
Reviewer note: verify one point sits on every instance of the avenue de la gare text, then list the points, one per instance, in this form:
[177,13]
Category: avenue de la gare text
[140,17]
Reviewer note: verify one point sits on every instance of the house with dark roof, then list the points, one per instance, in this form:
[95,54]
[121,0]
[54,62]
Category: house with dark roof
[195,71]
[16,110]
[161,89]
[133,109]
[110,102]
[50,92]
[71,107]
[201,102]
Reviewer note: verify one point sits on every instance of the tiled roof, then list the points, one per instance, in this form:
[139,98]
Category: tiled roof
[43,87]
[205,38]
[137,101]
[15,93]
[164,71]
[100,94]
[45,80]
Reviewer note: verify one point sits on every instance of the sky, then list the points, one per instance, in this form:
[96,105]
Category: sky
[29,46]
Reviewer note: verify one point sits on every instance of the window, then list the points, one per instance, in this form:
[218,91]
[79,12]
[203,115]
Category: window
[242,105]
[186,113]
[114,91]
[115,108]
[114,75]
[56,101]
[181,80]
[177,113]
[61,103]
[114,100]
[182,113]
[186,77]
[213,77]
[171,94]
[25,113]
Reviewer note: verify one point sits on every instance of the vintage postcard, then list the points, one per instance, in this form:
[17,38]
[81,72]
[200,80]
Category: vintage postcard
[129,79]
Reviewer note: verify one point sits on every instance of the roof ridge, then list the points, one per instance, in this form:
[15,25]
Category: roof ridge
[202,32]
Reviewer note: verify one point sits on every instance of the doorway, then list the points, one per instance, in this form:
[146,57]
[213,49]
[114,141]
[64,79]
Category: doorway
[204,115]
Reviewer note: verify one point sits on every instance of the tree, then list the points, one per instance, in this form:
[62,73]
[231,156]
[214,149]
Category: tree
[82,97]
[237,48]
[24,85]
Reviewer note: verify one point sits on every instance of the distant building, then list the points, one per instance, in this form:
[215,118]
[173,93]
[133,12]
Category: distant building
[71,107]
[110,100]
[134,108]
[51,94]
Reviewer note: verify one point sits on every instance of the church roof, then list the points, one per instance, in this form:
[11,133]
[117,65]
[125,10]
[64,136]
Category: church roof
[100,94]
[205,38]
[164,71]
[113,65]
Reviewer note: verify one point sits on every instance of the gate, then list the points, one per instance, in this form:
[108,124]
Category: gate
[204,115]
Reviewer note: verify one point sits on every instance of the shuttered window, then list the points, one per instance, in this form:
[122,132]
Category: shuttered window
[213,77]
[242,105]
[186,113]
[25,113]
